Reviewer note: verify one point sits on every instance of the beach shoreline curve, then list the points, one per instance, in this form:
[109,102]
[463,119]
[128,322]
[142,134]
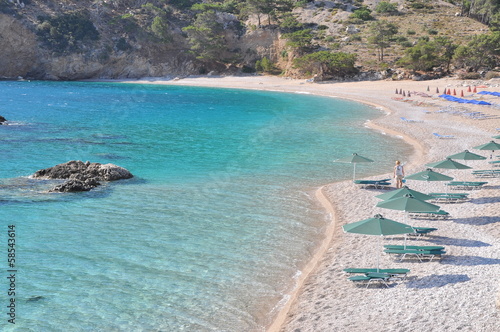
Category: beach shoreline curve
[422,108]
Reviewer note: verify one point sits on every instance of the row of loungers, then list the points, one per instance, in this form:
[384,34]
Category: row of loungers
[486,173]
[465,185]
[456,185]
[441,214]
[449,197]
[420,252]
[368,275]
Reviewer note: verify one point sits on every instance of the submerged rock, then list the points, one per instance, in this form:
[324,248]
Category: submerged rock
[82,176]
[76,185]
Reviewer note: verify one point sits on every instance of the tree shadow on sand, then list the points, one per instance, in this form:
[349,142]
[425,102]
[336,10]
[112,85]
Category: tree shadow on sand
[436,280]
[469,260]
[443,240]
[479,221]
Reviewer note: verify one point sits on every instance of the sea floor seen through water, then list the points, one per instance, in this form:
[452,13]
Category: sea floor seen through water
[211,231]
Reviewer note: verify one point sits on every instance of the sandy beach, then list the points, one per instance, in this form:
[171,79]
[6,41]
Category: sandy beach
[458,292]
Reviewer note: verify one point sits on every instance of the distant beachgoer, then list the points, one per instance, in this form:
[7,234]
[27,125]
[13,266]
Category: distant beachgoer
[399,174]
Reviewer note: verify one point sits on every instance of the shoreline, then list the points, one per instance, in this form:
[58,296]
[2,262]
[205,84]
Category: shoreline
[377,94]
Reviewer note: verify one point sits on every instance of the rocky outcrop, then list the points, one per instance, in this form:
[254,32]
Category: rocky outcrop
[82,176]
[19,48]
[2,120]
[76,185]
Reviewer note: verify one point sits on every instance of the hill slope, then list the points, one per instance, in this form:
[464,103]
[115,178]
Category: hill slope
[66,40]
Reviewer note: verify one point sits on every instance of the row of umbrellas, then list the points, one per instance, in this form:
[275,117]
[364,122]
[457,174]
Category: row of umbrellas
[408,200]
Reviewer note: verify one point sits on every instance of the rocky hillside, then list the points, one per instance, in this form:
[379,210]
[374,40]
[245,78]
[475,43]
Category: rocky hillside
[69,40]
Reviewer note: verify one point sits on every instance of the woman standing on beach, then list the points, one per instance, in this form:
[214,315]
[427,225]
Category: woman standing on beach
[399,174]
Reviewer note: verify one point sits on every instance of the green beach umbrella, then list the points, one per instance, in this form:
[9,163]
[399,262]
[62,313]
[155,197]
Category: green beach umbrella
[408,203]
[448,163]
[490,146]
[429,175]
[378,225]
[404,191]
[354,159]
[467,155]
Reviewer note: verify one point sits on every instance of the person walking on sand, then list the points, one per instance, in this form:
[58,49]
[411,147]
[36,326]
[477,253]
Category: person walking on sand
[399,174]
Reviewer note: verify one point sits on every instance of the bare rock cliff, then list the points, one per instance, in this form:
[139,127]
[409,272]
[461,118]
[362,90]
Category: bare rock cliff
[18,55]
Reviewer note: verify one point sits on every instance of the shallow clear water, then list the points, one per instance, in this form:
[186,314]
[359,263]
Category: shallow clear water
[210,232]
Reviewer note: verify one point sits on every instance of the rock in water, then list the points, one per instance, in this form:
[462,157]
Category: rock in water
[75,185]
[82,176]
[2,120]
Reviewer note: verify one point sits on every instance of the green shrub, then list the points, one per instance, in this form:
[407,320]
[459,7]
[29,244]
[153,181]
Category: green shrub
[411,32]
[406,44]
[355,37]
[385,7]
[66,32]
[264,65]
[334,46]
[328,63]
[363,14]
[289,23]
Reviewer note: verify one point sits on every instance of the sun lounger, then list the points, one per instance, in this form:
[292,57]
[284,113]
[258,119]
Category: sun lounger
[449,197]
[400,246]
[392,272]
[430,215]
[377,184]
[420,254]
[443,136]
[372,276]
[465,185]
[421,231]
[486,173]
[495,163]
[409,120]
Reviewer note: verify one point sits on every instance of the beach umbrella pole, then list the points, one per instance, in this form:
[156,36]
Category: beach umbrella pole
[378,253]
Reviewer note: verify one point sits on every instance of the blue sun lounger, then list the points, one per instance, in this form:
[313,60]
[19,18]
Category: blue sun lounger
[443,136]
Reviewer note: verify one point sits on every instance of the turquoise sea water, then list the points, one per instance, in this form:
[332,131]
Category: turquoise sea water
[209,234]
